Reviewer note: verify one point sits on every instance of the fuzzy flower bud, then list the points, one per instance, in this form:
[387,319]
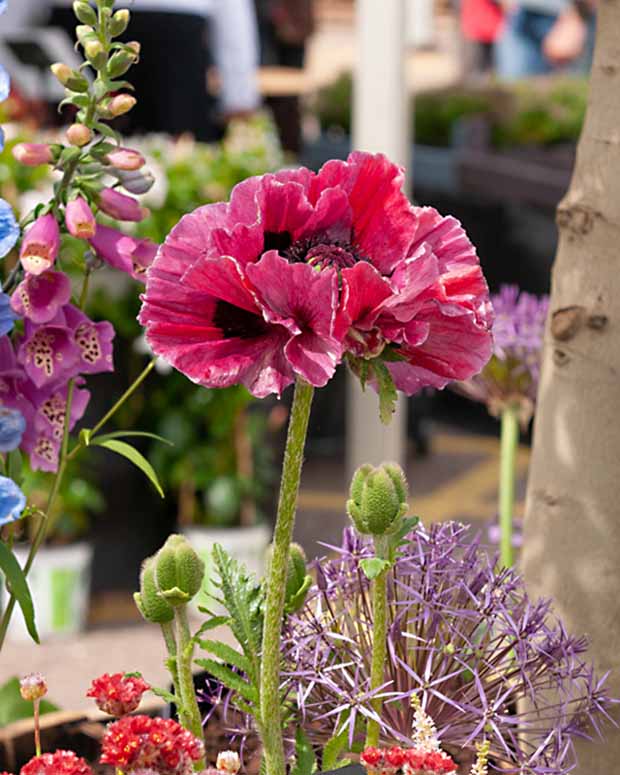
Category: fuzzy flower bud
[121,104]
[33,154]
[298,582]
[136,182]
[69,78]
[95,53]
[121,206]
[84,12]
[119,22]
[378,498]
[79,135]
[117,694]
[33,687]
[228,762]
[120,62]
[149,602]
[125,159]
[179,571]
[79,219]
[40,245]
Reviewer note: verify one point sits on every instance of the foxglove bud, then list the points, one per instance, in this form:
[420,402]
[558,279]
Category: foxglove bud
[95,53]
[120,206]
[125,159]
[121,62]
[84,12]
[136,182]
[33,154]
[179,571]
[121,104]
[69,78]
[32,687]
[119,22]
[79,135]
[378,499]
[149,602]
[79,219]
[40,245]
[228,762]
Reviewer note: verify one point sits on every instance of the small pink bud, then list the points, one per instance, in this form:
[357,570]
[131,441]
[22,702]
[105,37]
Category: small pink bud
[33,154]
[79,219]
[40,245]
[33,687]
[121,104]
[228,762]
[79,135]
[121,206]
[125,159]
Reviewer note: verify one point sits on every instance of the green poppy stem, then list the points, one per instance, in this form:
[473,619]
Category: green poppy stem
[379,638]
[508,450]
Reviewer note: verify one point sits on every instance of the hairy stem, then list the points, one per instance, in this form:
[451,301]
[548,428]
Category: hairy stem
[185,653]
[379,638]
[167,629]
[270,711]
[508,449]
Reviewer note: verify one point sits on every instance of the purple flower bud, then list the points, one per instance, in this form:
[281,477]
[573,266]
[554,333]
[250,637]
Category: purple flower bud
[33,154]
[40,245]
[125,159]
[79,219]
[121,206]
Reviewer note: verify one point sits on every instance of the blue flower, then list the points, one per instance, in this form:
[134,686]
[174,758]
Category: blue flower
[7,318]
[9,228]
[12,501]
[12,427]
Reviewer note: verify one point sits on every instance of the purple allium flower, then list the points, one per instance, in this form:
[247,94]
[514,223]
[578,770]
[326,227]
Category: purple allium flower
[484,660]
[511,376]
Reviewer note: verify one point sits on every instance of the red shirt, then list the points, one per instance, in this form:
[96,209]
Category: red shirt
[481,20]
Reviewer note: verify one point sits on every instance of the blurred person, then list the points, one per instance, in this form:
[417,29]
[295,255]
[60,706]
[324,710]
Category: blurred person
[284,29]
[544,36]
[181,40]
[481,24]
[21,14]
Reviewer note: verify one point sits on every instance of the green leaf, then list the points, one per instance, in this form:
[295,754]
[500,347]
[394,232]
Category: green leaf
[334,747]
[132,454]
[227,654]
[373,567]
[13,707]
[305,760]
[210,624]
[85,436]
[107,131]
[14,467]
[123,434]
[16,580]
[230,679]
[387,391]
[165,695]
[296,601]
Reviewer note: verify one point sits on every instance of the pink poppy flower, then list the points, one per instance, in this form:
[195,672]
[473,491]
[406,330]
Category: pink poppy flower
[40,245]
[120,251]
[39,297]
[300,269]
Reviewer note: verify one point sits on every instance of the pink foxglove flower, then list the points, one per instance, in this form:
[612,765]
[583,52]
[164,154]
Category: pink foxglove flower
[40,245]
[33,154]
[300,269]
[125,159]
[48,352]
[120,206]
[39,297]
[79,219]
[120,251]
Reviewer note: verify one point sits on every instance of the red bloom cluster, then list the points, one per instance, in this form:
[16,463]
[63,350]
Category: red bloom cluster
[412,761]
[154,743]
[57,763]
[117,694]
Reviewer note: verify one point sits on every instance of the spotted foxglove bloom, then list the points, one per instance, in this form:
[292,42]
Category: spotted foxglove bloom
[300,270]
[40,297]
[130,255]
[12,501]
[40,245]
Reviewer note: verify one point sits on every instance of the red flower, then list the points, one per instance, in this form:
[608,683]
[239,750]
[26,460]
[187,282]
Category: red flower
[58,763]
[117,694]
[299,269]
[158,744]
[395,757]
[372,756]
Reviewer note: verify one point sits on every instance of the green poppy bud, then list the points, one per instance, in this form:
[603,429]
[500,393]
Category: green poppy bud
[179,571]
[378,499]
[153,607]
[84,12]
[298,582]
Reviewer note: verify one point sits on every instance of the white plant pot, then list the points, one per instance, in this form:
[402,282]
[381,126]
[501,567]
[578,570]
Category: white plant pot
[60,587]
[247,545]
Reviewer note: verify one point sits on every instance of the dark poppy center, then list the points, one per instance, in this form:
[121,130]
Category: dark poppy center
[237,322]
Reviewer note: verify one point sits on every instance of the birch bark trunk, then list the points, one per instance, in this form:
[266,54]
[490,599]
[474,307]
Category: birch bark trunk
[572,525]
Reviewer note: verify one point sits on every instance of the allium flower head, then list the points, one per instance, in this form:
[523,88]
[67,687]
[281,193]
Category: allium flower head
[511,376]
[58,763]
[158,744]
[301,269]
[117,694]
[481,657]
[33,687]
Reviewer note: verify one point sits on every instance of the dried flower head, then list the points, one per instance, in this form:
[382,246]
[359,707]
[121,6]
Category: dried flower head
[57,763]
[228,762]
[482,658]
[157,744]
[117,694]
[33,687]
[511,376]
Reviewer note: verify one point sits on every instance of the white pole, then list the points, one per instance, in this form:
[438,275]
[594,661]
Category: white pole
[379,124]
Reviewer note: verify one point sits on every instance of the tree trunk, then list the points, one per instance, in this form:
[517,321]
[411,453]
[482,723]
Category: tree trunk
[572,526]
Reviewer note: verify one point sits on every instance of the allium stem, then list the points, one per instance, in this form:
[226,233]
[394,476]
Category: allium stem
[185,653]
[270,712]
[379,638]
[508,449]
